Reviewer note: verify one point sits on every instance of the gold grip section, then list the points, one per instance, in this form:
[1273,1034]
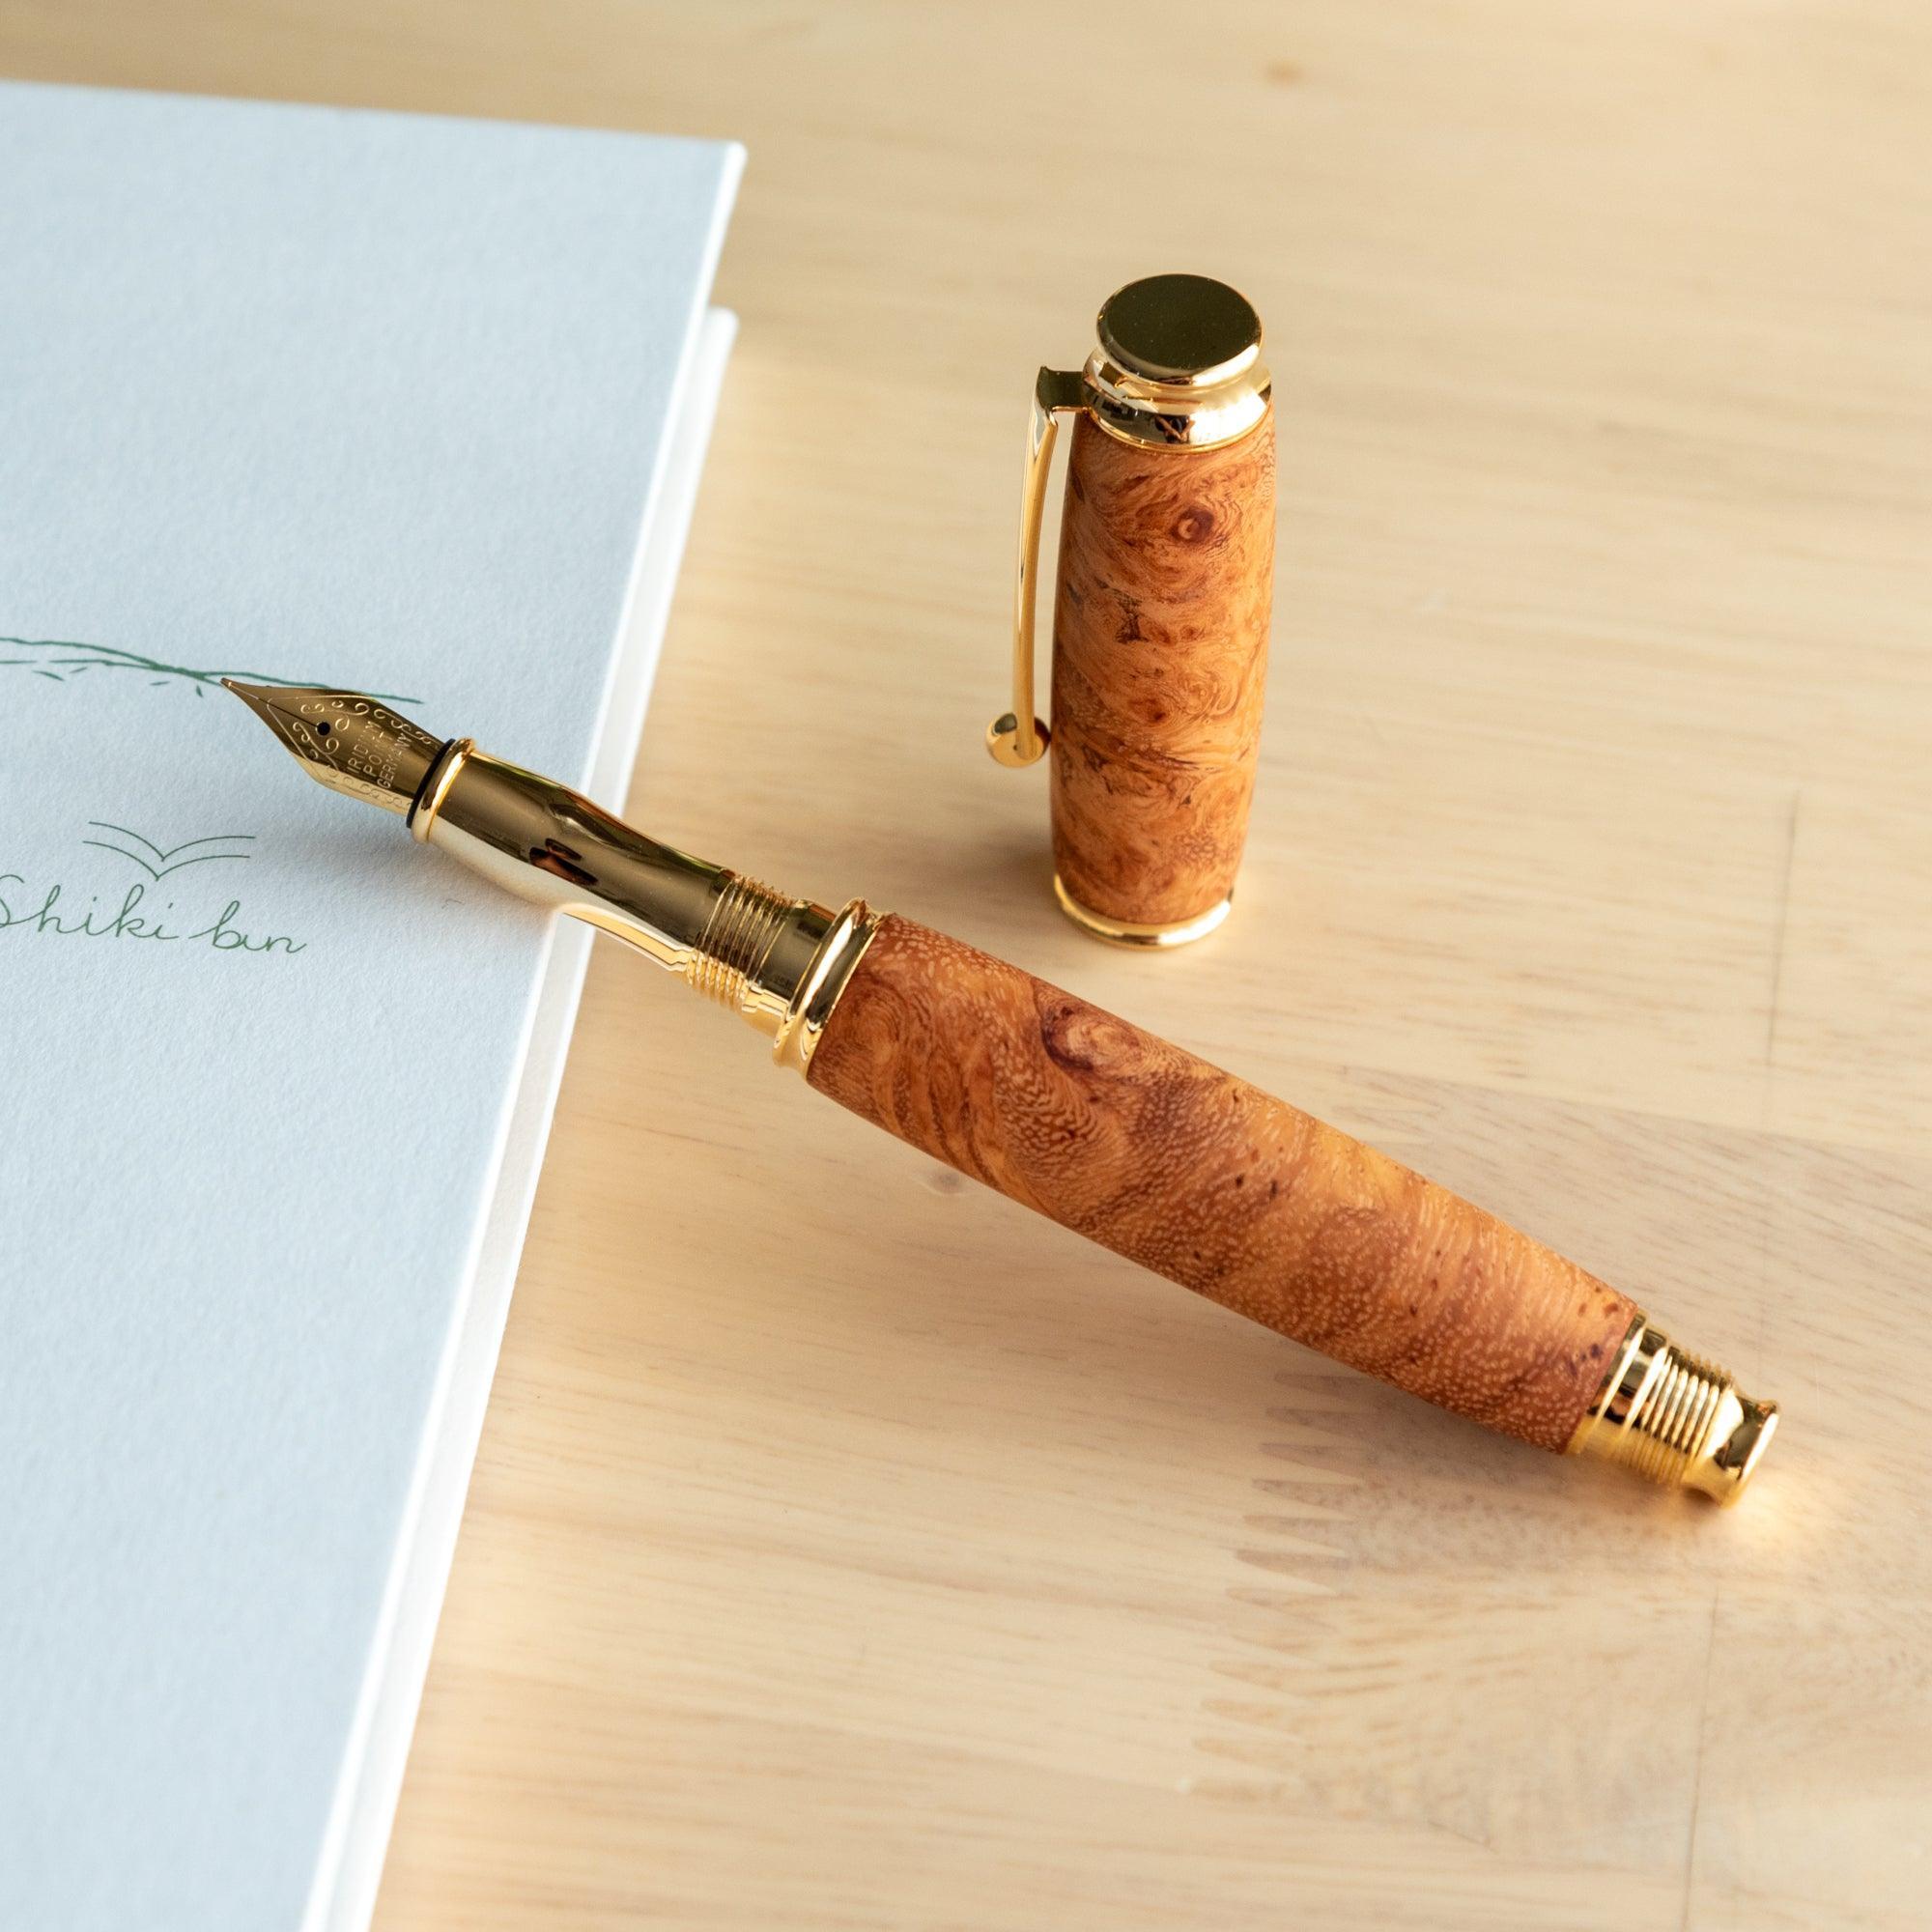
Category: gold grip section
[778,962]
[1676,1419]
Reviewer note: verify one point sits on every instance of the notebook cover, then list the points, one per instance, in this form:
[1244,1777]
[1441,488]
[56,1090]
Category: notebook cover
[345,1886]
[308,394]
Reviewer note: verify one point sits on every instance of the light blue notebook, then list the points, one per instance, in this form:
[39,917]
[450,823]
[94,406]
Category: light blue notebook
[413,406]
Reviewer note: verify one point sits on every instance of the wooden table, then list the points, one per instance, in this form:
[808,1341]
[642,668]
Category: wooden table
[847,1550]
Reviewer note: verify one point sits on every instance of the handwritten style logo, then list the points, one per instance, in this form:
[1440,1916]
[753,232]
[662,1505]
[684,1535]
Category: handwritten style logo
[55,911]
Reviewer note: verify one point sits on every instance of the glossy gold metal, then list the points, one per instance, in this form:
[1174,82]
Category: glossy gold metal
[779,963]
[1178,366]
[1676,1419]
[1121,932]
[352,744]
[435,787]
[1019,738]
[810,1003]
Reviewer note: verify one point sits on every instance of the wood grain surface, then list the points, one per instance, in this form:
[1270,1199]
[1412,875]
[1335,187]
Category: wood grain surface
[1136,1144]
[848,1551]
[1160,637]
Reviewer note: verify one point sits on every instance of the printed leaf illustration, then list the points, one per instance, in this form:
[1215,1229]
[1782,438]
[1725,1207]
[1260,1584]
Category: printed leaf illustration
[159,862]
[63,660]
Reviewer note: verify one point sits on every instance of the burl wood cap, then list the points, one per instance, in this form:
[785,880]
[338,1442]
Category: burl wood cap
[1159,671]
[1161,612]
[1167,549]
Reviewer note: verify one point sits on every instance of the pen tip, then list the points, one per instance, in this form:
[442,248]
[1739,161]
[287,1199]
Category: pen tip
[256,697]
[345,740]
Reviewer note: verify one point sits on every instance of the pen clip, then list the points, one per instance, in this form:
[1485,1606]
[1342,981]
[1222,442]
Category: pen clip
[1018,738]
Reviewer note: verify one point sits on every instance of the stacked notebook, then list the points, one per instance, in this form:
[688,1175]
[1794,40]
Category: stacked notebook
[415,406]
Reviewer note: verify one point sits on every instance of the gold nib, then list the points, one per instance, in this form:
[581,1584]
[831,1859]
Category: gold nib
[349,742]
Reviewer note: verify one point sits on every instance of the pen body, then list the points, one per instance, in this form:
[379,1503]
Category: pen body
[1081,1117]
[1197,1175]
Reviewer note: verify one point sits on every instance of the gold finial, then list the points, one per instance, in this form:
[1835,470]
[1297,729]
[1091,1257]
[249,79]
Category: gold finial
[1186,330]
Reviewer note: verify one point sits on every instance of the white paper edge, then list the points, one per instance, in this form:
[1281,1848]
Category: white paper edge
[349,1870]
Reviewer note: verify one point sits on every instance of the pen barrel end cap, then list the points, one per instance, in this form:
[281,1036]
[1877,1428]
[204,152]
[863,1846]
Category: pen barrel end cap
[1734,1445]
[1676,1419]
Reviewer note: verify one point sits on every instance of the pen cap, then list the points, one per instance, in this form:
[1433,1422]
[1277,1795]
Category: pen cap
[1161,608]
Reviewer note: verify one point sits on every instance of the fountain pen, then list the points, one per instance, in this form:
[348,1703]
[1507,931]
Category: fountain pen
[1109,1130]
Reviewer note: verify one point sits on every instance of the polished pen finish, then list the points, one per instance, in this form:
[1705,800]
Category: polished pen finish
[355,744]
[1160,612]
[1121,1136]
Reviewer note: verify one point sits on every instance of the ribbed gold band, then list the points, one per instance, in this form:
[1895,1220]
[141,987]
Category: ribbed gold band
[1675,1418]
[747,921]
[778,962]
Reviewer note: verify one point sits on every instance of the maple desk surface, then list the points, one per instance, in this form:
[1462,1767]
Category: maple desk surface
[848,1549]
